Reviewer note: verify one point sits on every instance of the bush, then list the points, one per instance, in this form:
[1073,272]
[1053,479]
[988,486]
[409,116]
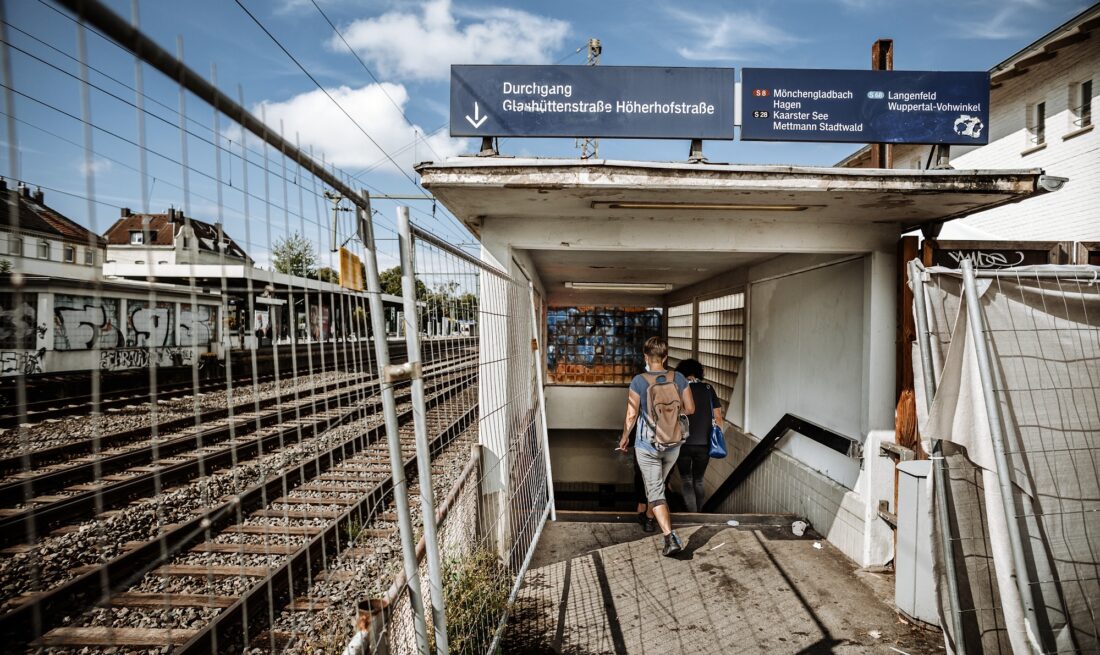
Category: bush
[475,590]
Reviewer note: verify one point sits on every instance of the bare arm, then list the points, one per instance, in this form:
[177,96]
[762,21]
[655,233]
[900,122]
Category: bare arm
[633,400]
[688,400]
[718,415]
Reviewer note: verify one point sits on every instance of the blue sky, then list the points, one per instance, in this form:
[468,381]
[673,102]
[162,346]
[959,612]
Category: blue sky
[401,102]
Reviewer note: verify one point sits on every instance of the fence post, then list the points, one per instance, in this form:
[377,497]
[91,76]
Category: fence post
[539,361]
[939,471]
[423,449]
[393,436]
[1004,472]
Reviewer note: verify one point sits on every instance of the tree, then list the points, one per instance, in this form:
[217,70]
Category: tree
[327,274]
[390,280]
[294,255]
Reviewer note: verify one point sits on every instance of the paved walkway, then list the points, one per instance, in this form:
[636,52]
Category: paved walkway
[601,587]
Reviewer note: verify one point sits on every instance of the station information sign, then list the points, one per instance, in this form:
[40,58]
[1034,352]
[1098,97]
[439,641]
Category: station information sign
[853,106]
[593,101]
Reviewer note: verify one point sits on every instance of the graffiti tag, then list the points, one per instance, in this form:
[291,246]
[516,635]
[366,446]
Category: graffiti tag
[196,327]
[85,323]
[998,259]
[150,326]
[26,362]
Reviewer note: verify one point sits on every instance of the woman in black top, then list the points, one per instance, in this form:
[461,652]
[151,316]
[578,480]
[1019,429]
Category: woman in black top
[695,452]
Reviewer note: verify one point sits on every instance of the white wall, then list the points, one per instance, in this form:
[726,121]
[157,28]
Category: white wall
[53,266]
[1066,215]
[587,407]
[820,346]
[806,358]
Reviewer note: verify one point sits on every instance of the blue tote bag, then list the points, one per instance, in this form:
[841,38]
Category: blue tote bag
[717,442]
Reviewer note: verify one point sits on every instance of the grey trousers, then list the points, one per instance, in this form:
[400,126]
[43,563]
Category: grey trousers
[655,468]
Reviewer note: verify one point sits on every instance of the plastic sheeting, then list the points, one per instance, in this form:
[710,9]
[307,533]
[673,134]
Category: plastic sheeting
[1044,338]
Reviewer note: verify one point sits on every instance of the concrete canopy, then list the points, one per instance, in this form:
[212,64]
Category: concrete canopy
[475,189]
[604,221]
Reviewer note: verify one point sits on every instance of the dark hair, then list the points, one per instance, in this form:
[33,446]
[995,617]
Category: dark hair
[656,347]
[690,368]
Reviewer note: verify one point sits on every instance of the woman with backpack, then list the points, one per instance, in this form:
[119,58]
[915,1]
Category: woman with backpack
[695,452]
[658,401]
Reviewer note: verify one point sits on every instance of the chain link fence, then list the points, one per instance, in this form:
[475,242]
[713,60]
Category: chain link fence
[1013,359]
[490,514]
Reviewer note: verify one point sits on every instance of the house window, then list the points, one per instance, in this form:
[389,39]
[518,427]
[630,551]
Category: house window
[89,257]
[1036,124]
[15,246]
[68,254]
[1081,104]
[136,238]
[43,249]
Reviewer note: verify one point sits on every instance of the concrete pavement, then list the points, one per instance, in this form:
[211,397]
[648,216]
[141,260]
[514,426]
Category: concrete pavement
[602,587]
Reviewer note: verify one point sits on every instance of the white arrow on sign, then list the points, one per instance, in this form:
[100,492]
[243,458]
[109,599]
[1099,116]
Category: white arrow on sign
[477,120]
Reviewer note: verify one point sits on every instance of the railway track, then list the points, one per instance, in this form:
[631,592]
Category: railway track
[288,527]
[85,487]
[26,464]
[36,410]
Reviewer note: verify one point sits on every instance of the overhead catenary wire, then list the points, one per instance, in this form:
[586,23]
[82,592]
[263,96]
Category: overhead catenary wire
[320,86]
[230,152]
[124,139]
[98,15]
[339,106]
[371,74]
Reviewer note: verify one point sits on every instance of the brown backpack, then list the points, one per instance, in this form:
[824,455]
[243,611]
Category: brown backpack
[663,423]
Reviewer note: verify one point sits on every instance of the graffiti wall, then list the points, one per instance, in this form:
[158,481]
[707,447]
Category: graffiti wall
[598,345]
[18,325]
[150,325]
[123,358]
[83,323]
[26,362]
[197,325]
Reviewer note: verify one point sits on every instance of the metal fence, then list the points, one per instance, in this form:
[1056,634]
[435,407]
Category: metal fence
[491,510]
[1012,361]
[209,422]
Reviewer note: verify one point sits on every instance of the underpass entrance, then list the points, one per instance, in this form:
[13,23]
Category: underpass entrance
[782,281]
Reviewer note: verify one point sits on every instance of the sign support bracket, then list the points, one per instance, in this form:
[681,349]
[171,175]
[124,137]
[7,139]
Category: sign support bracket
[695,153]
[488,147]
[941,152]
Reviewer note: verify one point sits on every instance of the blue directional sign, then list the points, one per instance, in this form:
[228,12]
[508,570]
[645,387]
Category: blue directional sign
[853,106]
[592,101]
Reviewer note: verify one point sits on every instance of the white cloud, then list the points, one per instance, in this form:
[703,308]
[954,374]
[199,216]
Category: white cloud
[96,166]
[997,26]
[319,123]
[423,45]
[736,35]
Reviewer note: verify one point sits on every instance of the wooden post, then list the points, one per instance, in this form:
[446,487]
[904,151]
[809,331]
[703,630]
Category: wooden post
[882,59]
[906,330]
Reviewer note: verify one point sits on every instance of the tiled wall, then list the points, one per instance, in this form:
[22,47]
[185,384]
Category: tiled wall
[783,485]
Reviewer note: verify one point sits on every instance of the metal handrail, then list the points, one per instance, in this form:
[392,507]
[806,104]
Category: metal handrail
[789,423]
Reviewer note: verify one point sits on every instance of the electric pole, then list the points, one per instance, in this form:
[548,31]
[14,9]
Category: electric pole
[591,147]
[336,198]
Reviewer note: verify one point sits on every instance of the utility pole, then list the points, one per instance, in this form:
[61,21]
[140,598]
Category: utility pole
[591,147]
[336,198]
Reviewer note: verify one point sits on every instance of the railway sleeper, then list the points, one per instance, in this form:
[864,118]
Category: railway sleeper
[46,608]
[134,484]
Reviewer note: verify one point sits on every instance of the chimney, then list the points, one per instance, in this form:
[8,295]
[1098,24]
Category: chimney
[125,212]
[38,195]
[3,184]
[23,190]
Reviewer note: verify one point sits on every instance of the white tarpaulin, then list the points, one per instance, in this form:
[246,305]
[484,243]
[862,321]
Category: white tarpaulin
[1043,335]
